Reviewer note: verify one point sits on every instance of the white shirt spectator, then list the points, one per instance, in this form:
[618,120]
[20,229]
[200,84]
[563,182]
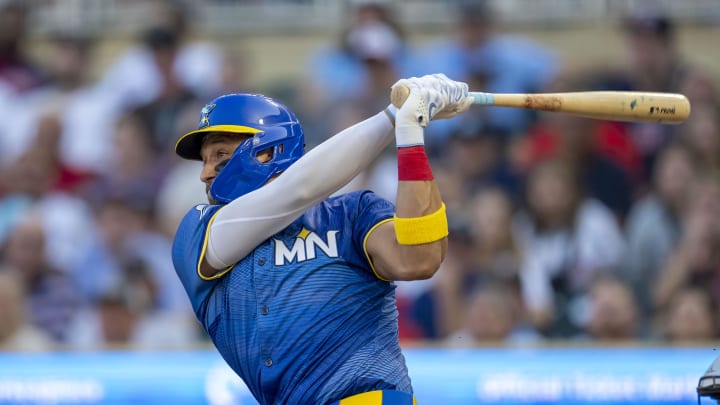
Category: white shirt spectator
[595,244]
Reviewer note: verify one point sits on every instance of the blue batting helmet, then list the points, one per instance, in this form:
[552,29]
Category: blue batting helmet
[271,125]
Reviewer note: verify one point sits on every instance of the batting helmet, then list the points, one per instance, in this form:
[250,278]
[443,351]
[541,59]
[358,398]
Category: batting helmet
[272,126]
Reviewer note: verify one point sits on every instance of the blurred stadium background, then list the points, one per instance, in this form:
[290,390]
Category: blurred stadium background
[585,256]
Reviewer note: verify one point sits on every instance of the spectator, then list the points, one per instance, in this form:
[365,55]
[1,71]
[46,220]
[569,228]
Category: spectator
[479,156]
[656,64]
[126,235]
[597,150]
[125,315]
[368,57]
[16,334]
[567,240]
[614,314]
[493,315]
[701,135]
[85,115]
[173,97]
[495,251]
[51,300]
[18,73]
[163,56]
[37,182]
[653,226]
[690,317]
[132,165]
[695,260]
[492,256]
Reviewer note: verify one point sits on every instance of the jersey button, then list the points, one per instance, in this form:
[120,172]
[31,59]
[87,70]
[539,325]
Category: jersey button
[265,310]
[268,362]
[261,261]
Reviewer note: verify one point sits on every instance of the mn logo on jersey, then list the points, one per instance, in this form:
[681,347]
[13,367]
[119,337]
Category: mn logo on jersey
[305,247]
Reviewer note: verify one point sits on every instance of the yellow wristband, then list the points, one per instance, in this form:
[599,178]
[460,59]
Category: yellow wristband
[419,230]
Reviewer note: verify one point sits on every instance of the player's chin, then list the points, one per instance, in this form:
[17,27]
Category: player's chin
[210,198]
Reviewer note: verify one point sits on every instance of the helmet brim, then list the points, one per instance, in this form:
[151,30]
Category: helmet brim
[189,145]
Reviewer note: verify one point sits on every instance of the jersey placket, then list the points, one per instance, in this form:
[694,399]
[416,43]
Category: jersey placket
[266,323]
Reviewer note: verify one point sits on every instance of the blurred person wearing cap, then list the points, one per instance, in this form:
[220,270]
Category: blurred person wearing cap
[497,62]
[655,62]
[351,75]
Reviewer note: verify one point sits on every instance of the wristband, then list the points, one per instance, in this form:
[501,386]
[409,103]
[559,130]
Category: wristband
[421,230]
[413,164]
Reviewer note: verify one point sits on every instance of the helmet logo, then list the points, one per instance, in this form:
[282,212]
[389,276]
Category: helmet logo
[205,115]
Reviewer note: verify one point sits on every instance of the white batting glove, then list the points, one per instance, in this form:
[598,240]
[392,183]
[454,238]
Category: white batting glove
[431,96]
[441,97]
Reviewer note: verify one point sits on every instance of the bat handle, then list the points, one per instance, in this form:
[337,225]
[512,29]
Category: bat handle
[400,93]
[480,98]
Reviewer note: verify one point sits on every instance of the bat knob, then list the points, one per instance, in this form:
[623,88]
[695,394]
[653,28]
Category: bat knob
[398,94]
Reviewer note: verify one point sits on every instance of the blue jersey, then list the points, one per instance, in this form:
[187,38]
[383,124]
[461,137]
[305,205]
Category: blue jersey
[302,319]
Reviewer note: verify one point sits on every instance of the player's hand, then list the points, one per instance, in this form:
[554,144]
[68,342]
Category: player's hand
[433,97]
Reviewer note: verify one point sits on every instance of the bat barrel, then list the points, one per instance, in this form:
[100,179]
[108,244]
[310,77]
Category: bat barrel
[652,107]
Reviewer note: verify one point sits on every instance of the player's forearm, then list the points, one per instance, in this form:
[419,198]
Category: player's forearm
[420,224]
[419,199]
[245,222]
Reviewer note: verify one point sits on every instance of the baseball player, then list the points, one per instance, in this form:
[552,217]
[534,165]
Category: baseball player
[295,287]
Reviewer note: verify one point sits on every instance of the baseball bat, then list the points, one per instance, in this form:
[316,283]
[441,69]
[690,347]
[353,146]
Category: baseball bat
[629,106]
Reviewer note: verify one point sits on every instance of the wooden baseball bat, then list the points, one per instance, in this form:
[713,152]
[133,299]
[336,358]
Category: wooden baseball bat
[629,106]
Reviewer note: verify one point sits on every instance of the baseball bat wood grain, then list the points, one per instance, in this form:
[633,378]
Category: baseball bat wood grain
[628,106]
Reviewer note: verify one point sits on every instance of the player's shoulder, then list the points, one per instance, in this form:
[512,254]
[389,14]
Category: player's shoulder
[353,199]
[359,204]
[355,195]
[204,210]
[199,214]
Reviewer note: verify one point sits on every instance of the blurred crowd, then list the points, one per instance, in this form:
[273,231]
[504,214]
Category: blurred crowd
[562,228]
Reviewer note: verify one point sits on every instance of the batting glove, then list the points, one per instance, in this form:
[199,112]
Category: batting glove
[430,97]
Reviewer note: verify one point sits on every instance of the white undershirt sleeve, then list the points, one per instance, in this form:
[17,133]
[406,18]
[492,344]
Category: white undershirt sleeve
[241,225]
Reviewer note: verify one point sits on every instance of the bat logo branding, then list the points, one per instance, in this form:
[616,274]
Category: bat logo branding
[662,110]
